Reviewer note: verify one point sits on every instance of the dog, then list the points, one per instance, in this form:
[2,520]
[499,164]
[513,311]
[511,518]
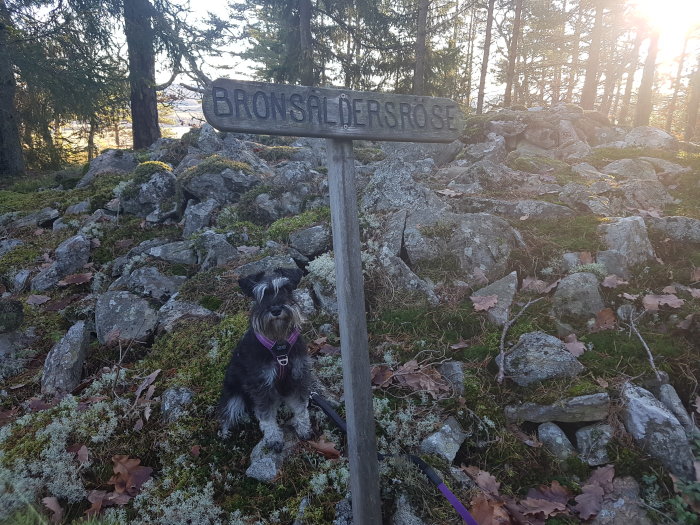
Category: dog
[270,365]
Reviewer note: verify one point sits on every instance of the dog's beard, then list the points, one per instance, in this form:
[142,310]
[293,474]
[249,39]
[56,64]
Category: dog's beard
[277,328]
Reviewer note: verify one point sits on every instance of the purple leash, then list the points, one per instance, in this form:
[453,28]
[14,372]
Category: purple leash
[461,510]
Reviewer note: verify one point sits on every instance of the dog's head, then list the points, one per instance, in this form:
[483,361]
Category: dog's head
[275,314]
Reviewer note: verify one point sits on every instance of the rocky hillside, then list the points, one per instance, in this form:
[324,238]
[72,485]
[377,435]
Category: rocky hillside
[532,299]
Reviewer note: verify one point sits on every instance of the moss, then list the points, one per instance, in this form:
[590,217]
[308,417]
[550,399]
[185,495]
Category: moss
[442,230]
[367,155]
[240,231]
[213,164]
[276,153]
[475,128]
[211,302]
[24,256]
[282,228]
[245,209]
[148,168]
[118,240]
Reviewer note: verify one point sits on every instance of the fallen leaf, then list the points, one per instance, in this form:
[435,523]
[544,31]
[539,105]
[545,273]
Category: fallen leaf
[604,320]
[487,511]
[542,506]
[589,502]
[653,302]
[524,217]
[629,296]
[51,503]
[36,300]
[8,415]
[613,281]
[459,345]
[530,441]
[483,479]
[129,475]
[325,448]
[145,383]
[195,450]
[422,379]
[76,278]
[381,375]
[447,192]
[573,345]
[37,405]
[83,454]
[329,350]
[585,258]
[555,492]
[139,425]
[603,477]
[61,303]
[483,303]
[602,382]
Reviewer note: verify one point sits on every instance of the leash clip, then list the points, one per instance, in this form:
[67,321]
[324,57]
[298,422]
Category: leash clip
[283,359]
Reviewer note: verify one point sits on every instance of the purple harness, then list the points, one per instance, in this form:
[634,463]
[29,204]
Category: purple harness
[279,350]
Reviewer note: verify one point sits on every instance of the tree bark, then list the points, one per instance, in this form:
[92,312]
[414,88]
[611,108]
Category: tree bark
[629,83]
[590,84]
[691,127]
[485,59]
[644,103]
[421,49]
[11,158]
[142,72]
[305,44]
[676,86]
[513,53]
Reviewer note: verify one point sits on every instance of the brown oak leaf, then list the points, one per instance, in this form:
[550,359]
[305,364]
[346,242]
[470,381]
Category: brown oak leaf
[483,303]
[52,504]
[604,320]
[573,345]
[653,302]
[483,479]
[589,502]
[325,448]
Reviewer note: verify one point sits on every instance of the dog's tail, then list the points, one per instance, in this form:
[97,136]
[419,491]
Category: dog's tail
[231,411]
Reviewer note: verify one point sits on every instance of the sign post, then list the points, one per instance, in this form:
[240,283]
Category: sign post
[340,116]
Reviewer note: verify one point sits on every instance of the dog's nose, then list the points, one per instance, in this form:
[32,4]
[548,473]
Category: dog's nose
[276,310]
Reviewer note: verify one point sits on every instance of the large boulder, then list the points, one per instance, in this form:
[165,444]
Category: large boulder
[631,169]
[123,316]
[577,298]
[198,216]
[213,249]
[147,281]
[628,236]
[225,186]
[175,311]
[153,199]
[64,363]
[111,161]
[312,241]
[69,257]
[537,357]
[493,150]
[649,137]
[657,430]
[504,289]
[678,229]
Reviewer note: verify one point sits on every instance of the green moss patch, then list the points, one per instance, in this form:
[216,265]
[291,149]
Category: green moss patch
[276,153]
[213,164]
[281,228]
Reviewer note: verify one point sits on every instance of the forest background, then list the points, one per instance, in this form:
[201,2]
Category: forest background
[77,76]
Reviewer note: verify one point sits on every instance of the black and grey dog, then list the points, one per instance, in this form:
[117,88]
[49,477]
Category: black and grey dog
[270,364]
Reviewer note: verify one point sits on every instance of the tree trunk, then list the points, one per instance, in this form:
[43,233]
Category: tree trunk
[644,103]
[305,44]
[629,83]
[11,159]
[513,53]
[572,79]
[590,84]
[116,134]
[142,72]
[676,85]
[91,140]
[421,49]
[485,59]
[691,127]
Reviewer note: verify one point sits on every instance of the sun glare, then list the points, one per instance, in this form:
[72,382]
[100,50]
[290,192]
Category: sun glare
[672,18]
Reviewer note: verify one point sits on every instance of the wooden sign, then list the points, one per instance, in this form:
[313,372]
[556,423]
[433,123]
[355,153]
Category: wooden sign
[275,109]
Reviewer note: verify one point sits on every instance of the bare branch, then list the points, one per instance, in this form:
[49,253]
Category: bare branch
[500,359]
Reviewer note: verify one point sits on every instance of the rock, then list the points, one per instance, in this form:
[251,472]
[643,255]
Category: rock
[174,402]
[477,177]
[622,506]
[198,216]
[69,257]
[518,209]
[209,140]
[656,430]
[41,218]
[537,357]
[311,150]
[592,442]
[506,128]
[577,298]
[225,187]
[679,229]
[555,441]
[440,154]
[343,512]
[574,151]
[644,195]
[614,263]
[11,315]
[542,135]
[504,289]
[175,311]
[401,277]
[453,372]
[19,280]
[313,241]
[405,514]
[213,249]
[588,171]
[15,352]
[265,464]
[58,225]
[567,133]
[649,137]
[179,252]
[669,397]
[665,167]
[111,161]
[592,407]
[64,363]
[446,441]
[494,150]
[147,281]
[153,199]
[124,316]
[631,169]
[7,245]
[305,302]
[268,264]
[628,236]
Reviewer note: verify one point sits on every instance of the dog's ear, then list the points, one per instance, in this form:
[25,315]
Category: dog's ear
[248,283]
[293,274]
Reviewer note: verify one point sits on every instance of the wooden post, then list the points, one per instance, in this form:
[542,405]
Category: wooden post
[362,445]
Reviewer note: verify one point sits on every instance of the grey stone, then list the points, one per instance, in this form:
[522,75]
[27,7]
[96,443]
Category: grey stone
[198,216]
[42,218]
[311,241]
[631,169]
[225,187]
[153,199]
[69,257]
[614,262]
[213,249]
[58,225]
[265,463]
[537,357]
[11,315]
[644,195]
[446,441]
[64,363]
[209,140]
[175,311]
[405,514]
[111,161]
[649,137]
[401,277]
[679,229]
[665,167]
[178,252]
[567,133]
[16,351]
[504,289]
[311,150]
[267,264]
[441,154]
[542,135]
[592,442]
[494,150]
[656,430]
[623,506]
[575,151]
[147,281]
[19,280]
[555,441]
[124,316]
[526,147]
[628,236]
[7,245]
[588,171]
[474,178]
[592,407]
[305,302]
[506,128]
[669,397]
[577,298]
[78,208]
[241,151]
[343,513]
[120,263]
[453,372]
[174,402]
[517,209]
